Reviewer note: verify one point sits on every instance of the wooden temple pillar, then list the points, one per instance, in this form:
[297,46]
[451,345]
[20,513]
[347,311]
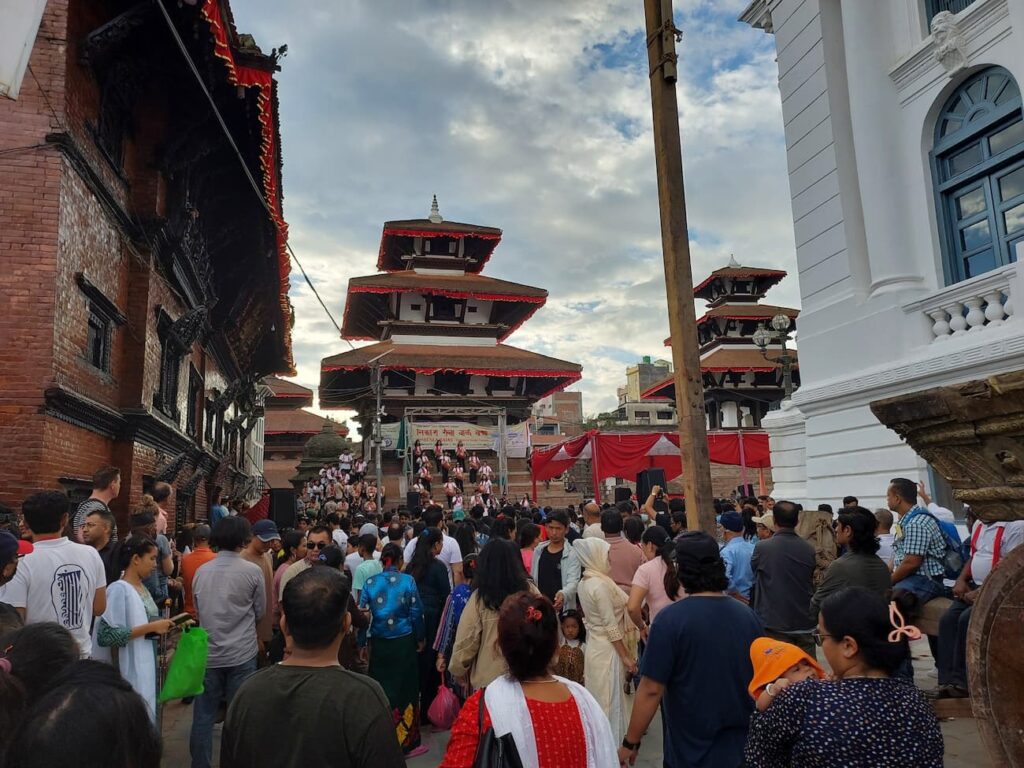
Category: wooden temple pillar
[973,435]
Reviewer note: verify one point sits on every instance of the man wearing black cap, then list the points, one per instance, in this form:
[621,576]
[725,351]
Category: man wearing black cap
[736,554]
[257,552]
[697,665]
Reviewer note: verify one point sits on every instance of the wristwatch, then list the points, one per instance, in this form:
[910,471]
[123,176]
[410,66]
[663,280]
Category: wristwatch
[631,746]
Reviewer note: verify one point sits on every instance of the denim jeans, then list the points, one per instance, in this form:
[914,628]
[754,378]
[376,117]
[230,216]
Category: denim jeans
[925,587]
[951,662]
[219,684]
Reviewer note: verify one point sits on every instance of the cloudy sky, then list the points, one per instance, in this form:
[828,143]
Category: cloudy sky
[532,116]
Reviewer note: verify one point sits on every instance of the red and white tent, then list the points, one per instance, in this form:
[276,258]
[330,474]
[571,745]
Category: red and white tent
[625,454]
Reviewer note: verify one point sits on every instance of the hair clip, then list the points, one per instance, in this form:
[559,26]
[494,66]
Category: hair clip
[533,614]
[900,628]
[5,665]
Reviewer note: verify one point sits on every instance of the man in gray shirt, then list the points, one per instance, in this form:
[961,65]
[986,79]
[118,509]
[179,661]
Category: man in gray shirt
[784,581]
[230,597]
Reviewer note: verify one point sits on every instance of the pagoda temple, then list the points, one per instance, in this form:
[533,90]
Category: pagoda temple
[439,328]
[740,384]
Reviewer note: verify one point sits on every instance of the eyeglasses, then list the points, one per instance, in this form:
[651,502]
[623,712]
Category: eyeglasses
[318,544]
[819,637]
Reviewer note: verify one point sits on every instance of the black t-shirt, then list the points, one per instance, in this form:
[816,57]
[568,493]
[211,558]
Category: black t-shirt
[549,573]
[318,716]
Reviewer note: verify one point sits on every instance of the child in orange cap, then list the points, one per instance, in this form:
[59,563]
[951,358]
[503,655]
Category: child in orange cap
[776,665]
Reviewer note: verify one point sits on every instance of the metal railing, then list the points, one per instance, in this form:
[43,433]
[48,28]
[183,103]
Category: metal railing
[933,7]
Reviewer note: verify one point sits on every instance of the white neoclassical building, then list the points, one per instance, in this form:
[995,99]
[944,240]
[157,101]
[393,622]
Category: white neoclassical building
[905,149]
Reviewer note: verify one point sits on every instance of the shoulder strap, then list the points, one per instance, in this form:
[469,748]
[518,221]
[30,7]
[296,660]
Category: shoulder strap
[480,711]
[998,545]
[974,538]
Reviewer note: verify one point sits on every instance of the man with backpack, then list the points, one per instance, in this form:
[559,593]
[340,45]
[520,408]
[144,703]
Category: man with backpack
[920,546]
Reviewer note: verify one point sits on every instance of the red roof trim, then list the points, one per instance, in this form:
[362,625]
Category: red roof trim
[454,234]
[432,291]
[536,301]
[442,369]
[262,80]
[752,272]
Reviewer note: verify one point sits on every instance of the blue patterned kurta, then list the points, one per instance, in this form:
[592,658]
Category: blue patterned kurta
[395,606]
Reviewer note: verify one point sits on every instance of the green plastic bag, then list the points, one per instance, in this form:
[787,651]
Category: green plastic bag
[188,666]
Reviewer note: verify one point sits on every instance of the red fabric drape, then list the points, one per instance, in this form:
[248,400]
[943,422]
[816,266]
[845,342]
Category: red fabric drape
[626,454]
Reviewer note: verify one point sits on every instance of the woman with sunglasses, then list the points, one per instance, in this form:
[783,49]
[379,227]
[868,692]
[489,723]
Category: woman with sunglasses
[397,635]
[863,718]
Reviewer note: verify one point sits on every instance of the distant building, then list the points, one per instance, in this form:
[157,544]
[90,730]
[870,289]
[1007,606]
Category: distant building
[741,385]
[288,428]
[439,328]
[558,414]
[637,410]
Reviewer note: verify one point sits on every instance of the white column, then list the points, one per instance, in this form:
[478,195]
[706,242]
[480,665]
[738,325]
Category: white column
[874,114]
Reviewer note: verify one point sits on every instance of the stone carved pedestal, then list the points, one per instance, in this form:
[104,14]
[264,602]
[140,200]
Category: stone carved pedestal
[973,435]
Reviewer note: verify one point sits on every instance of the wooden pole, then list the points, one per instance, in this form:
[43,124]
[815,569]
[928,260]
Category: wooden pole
[675,243]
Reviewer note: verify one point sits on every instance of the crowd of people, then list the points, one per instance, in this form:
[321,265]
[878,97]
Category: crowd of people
[562,632]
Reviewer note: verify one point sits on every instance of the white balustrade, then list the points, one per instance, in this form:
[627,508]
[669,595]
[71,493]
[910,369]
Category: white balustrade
[969,307]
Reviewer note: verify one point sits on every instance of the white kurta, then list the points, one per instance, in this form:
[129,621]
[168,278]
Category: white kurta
[603,672]
[137,660]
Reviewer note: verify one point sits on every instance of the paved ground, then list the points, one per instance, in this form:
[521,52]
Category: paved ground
[963,744]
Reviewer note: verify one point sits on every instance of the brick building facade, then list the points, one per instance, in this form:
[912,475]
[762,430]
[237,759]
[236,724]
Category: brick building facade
[144,283]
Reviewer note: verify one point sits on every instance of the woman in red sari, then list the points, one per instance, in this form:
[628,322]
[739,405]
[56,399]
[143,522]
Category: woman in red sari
[554,722]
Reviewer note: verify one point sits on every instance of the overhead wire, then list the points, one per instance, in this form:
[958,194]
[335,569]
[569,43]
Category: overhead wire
[245,166]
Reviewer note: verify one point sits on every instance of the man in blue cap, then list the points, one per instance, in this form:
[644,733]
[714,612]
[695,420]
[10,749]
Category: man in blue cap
[736,554]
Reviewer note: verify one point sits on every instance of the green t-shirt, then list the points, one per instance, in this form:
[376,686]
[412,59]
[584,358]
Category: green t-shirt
[298,717]
[366,569]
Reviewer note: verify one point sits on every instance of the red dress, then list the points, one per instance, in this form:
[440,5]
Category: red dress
[559,731]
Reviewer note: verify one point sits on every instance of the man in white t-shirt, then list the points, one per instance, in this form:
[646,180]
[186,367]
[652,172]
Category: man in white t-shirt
[883,530]
[451,555]
[61,580]
[990,543]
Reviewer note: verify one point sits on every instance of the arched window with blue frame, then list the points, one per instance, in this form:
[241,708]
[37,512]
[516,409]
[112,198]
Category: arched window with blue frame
[978,161]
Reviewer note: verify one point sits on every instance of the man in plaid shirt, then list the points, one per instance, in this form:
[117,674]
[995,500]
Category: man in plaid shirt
[918,546]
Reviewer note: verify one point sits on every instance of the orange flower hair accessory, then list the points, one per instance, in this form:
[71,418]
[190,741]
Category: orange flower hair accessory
[900,628]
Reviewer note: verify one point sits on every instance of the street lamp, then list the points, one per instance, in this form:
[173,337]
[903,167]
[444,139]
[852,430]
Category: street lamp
[780,332]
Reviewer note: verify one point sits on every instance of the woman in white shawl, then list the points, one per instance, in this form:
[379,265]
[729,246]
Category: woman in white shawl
[610,661]
[131,614]
[553,722]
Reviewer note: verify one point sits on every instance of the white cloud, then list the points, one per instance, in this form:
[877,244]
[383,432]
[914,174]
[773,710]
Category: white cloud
[534,117]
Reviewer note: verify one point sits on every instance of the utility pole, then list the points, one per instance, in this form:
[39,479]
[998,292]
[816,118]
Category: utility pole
[675,243]
[377,437]
[377,441]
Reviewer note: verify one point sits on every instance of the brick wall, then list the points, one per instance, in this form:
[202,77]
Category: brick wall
[51,227]
[30,180]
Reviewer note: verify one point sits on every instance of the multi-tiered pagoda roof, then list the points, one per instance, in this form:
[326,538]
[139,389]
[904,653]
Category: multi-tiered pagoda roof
[439,324]
[730,362]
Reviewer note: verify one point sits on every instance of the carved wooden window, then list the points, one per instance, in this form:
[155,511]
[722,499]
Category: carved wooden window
[209,414]
[165,399]
[114,119]
[445,309]
[978,162]
[195,393]
[103,317]
[97,347]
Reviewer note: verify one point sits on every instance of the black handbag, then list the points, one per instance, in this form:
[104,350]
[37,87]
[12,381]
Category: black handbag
[494,751]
